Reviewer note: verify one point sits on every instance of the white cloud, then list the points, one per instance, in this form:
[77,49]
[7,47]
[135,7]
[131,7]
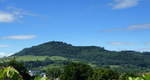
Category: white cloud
[12,14]
[7,17]
[20,12]
[3,46]
[120,43]
[139,27]
[3,54]
[131,28]
[120,4]
[20,37]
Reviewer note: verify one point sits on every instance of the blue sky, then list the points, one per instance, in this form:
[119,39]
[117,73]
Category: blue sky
[113,24]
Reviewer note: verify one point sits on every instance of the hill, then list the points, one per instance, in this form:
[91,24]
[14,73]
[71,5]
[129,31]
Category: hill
[58,49]
[91,54]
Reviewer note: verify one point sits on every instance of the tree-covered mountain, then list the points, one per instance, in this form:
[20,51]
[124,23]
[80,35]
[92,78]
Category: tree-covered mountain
[59,49]
[93,54]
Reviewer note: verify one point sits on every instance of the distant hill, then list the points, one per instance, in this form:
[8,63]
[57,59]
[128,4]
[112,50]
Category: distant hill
[93,54]
[55,48]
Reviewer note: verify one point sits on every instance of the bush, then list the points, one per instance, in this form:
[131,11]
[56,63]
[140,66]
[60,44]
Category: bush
[104,74]
[53,73]
[9,73]
[76,71]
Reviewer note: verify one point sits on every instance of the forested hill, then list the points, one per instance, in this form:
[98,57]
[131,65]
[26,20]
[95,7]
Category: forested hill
[93,54]
[55,48]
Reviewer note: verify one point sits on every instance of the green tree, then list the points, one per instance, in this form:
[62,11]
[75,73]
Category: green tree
[77,71]
[41,78]
[104,74]
[53,73]
[126,75]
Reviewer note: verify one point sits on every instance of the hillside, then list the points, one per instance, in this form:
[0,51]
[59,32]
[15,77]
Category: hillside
[58,49]
[92,54]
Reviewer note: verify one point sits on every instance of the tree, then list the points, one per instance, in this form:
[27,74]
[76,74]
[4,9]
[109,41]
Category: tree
[126,75]
[53,73]
[104,74]
[41,78]
[77,71]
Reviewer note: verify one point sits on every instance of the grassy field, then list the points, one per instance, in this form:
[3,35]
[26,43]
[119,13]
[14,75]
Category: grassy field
[34,58]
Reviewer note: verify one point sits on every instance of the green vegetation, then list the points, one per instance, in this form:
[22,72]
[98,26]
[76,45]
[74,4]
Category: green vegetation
[77,71]
[53,73]
[7,73]
[66,62]
[144,77]
[33,58]
[60,53]
[20,68]
[104,74]
[41,78]
[58,58]
[13,70]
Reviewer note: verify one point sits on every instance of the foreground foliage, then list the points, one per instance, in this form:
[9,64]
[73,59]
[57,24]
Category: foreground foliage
[144,77]
[9,73]
[14,70]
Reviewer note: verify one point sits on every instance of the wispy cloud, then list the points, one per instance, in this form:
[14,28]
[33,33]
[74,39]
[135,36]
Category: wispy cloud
[120,4]
[19,37]
[131,28]
[3,46]
[19,11]
[117,43]
[7,17]
[12,14]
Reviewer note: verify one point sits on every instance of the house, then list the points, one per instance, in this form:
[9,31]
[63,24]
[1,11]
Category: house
[36,72]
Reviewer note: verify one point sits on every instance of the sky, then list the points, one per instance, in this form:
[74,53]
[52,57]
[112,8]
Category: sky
[113,24]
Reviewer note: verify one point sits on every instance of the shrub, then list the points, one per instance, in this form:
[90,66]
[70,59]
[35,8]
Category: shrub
[76,71]
[104,74]
[9,73]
